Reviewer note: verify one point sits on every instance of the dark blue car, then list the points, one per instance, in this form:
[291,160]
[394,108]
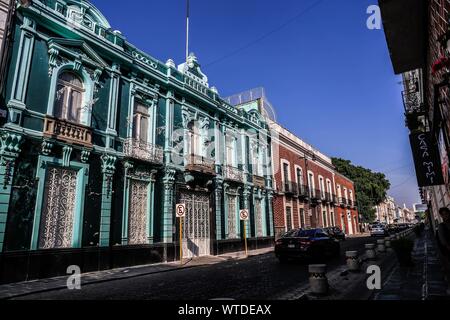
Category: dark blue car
[306,244]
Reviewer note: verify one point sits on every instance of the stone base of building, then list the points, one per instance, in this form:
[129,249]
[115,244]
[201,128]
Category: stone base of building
[32,265]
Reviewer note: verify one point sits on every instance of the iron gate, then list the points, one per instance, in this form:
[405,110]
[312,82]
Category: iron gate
[196,224]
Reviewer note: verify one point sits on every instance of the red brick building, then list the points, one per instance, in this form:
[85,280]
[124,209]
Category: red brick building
[347,216]
[305,183]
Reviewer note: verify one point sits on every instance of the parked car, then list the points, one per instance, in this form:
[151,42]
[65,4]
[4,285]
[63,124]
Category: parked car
[306,244]
[335,232]
[393,228]
[379,231]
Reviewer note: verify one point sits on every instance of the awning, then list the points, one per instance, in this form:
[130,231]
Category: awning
[405,27]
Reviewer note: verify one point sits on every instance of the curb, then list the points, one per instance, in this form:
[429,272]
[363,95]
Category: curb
[108,278]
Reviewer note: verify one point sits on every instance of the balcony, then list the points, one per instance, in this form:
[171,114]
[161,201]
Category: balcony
[350,204]
[303,192]
[233,174]
[200,164]
[343,202]
[67,131]
[316,196]
[136,149]
[259,182]
[328,198]
[334,200]
[290,188]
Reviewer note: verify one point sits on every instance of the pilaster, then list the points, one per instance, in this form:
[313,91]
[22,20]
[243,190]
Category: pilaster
[168,206]
[111,129]
[270,204]
[22,71]
[108,169]
[170,111]
[9,151]
[218,200]
[246,194]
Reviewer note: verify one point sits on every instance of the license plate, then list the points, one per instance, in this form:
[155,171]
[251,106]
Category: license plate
[291,246]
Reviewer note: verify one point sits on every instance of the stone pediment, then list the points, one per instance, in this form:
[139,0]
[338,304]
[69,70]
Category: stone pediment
[77,50]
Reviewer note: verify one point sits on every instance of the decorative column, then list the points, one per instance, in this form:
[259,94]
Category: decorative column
[217,142]
[247,192]
[244,156]
[22,71]
[170,108]
[128,166]
[264,212]
[151,211]
[9,151]
[168,206]
[218,200]
[270,204]
[225,205]
[108,169]
[111,131]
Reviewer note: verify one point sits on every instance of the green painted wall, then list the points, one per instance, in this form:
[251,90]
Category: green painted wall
[93,203]
[23,200]
[39,81]
[100,108]
[123,107]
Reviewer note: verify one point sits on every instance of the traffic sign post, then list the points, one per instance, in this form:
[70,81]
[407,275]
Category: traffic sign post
[244,215]
[180,212]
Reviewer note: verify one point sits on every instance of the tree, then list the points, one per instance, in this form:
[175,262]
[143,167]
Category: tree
[371,187]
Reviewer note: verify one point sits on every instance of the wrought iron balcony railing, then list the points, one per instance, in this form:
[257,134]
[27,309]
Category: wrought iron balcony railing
[290,188]
[342,202]
[136,149]
[335,200]
[67,131]
[304,192]
[316,195]
[200,164]
[328,197]
[259,182]
[234,174]
[350,203]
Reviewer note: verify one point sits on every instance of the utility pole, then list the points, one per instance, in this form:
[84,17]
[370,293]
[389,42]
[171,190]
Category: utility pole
[188,9]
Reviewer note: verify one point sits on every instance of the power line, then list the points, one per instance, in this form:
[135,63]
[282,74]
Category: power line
[252,43]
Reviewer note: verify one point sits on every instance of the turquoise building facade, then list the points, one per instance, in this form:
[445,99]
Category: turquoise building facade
[100,143]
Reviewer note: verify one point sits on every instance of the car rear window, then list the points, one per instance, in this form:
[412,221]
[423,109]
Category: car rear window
[305,233]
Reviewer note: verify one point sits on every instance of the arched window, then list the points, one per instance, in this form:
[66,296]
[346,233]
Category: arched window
[69,97]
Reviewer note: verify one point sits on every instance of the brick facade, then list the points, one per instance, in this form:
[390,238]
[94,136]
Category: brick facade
[305,187]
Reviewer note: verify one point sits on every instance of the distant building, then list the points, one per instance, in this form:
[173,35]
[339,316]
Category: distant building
[386,211]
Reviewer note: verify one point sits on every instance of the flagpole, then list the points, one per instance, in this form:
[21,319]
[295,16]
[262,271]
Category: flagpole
[187,27]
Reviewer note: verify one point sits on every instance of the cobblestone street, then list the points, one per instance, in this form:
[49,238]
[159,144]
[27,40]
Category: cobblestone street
[259,277]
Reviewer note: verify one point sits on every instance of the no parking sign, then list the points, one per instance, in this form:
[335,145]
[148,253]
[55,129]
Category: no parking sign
[180,210]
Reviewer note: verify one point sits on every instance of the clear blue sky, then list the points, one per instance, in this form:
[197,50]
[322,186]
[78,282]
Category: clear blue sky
[328,76]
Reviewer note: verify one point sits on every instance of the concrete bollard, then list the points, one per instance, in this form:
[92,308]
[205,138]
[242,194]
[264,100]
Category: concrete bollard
[381,247]
[371,254]
[352,261]
[388,244]
[318,280]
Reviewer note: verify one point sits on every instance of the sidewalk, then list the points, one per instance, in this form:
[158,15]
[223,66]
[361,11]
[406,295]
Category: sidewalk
[424,281]
[14,290]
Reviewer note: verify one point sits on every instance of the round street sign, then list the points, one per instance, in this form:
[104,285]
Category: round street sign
[244,215]
[180,210]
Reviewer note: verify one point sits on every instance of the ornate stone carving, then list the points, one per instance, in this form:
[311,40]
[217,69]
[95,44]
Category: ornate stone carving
[47,147]
[53,60]
[85,154]
[67,154]
[108,164]
[10,143]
